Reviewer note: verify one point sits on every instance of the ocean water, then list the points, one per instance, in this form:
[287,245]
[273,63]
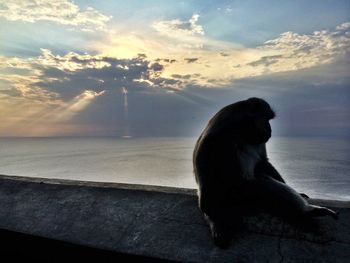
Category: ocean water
[318,167]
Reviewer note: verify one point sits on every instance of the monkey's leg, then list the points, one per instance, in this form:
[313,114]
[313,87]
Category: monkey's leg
[284,200]
[218,214]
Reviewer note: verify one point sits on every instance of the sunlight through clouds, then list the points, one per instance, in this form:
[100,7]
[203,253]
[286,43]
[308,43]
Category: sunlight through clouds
[71,61]
[66,60]
[36,118]
[72,108]
[213,63]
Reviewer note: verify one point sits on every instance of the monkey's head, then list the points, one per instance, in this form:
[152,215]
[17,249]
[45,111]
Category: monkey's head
[255,127]
[247,121]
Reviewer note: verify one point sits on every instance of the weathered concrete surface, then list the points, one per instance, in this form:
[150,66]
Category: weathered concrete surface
[159,222]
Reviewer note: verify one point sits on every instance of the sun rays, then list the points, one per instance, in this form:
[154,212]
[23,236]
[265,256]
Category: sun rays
[46,120]
[117,66]
[78,104]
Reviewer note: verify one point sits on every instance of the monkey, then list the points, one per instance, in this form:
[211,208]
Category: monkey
[233,172]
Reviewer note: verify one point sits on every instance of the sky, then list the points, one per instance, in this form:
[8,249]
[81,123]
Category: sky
[163,68]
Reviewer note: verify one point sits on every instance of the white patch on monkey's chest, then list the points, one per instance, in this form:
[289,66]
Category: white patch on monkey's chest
[248,157]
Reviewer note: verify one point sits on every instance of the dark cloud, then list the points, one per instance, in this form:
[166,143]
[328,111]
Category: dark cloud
[142,56]
[224,54]
[12,92]
[178,76]
[190,60]
[156,67]
[166,60]
[136,74]
[265,61]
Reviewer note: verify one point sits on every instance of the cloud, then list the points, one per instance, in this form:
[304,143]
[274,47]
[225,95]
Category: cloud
[222,63]
[63,77]
[302,51]
[177,27]
[62,12]
[266,61]
[71,61]
[20,78]
[343,26]
[91,99]
[176,74]
[76,93]
[288,52]
[190,60]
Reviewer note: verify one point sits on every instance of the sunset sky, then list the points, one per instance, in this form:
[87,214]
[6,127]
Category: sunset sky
[162,68]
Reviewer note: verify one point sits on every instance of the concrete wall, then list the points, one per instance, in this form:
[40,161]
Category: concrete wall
[159,223]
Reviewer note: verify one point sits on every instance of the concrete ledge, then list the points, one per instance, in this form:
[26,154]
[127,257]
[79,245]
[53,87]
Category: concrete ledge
[158,222]
[19,247]
[151,188]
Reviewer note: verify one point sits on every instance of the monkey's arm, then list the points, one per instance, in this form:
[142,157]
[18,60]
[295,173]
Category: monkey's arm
[266,168]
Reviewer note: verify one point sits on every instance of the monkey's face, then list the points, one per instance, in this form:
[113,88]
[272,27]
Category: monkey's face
[257,131]
[246,121]
[263,129]
[257,126]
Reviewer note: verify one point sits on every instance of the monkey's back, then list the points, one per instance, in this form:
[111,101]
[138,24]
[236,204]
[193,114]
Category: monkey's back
[215,161]
[215,156]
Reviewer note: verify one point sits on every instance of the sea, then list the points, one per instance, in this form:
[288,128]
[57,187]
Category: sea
[317,166]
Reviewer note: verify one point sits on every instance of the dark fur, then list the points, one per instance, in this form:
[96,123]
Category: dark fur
[233,172]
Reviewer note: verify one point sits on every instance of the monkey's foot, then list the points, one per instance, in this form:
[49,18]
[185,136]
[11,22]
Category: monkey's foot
[221,240]
[221,235]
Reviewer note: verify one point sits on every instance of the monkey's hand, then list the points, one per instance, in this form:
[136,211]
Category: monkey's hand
[305,196]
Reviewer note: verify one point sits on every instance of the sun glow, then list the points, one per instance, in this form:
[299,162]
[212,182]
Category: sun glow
[197,56]
[121,56]
[46,120]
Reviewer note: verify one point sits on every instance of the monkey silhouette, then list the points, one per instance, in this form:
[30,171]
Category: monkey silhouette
[234,174]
